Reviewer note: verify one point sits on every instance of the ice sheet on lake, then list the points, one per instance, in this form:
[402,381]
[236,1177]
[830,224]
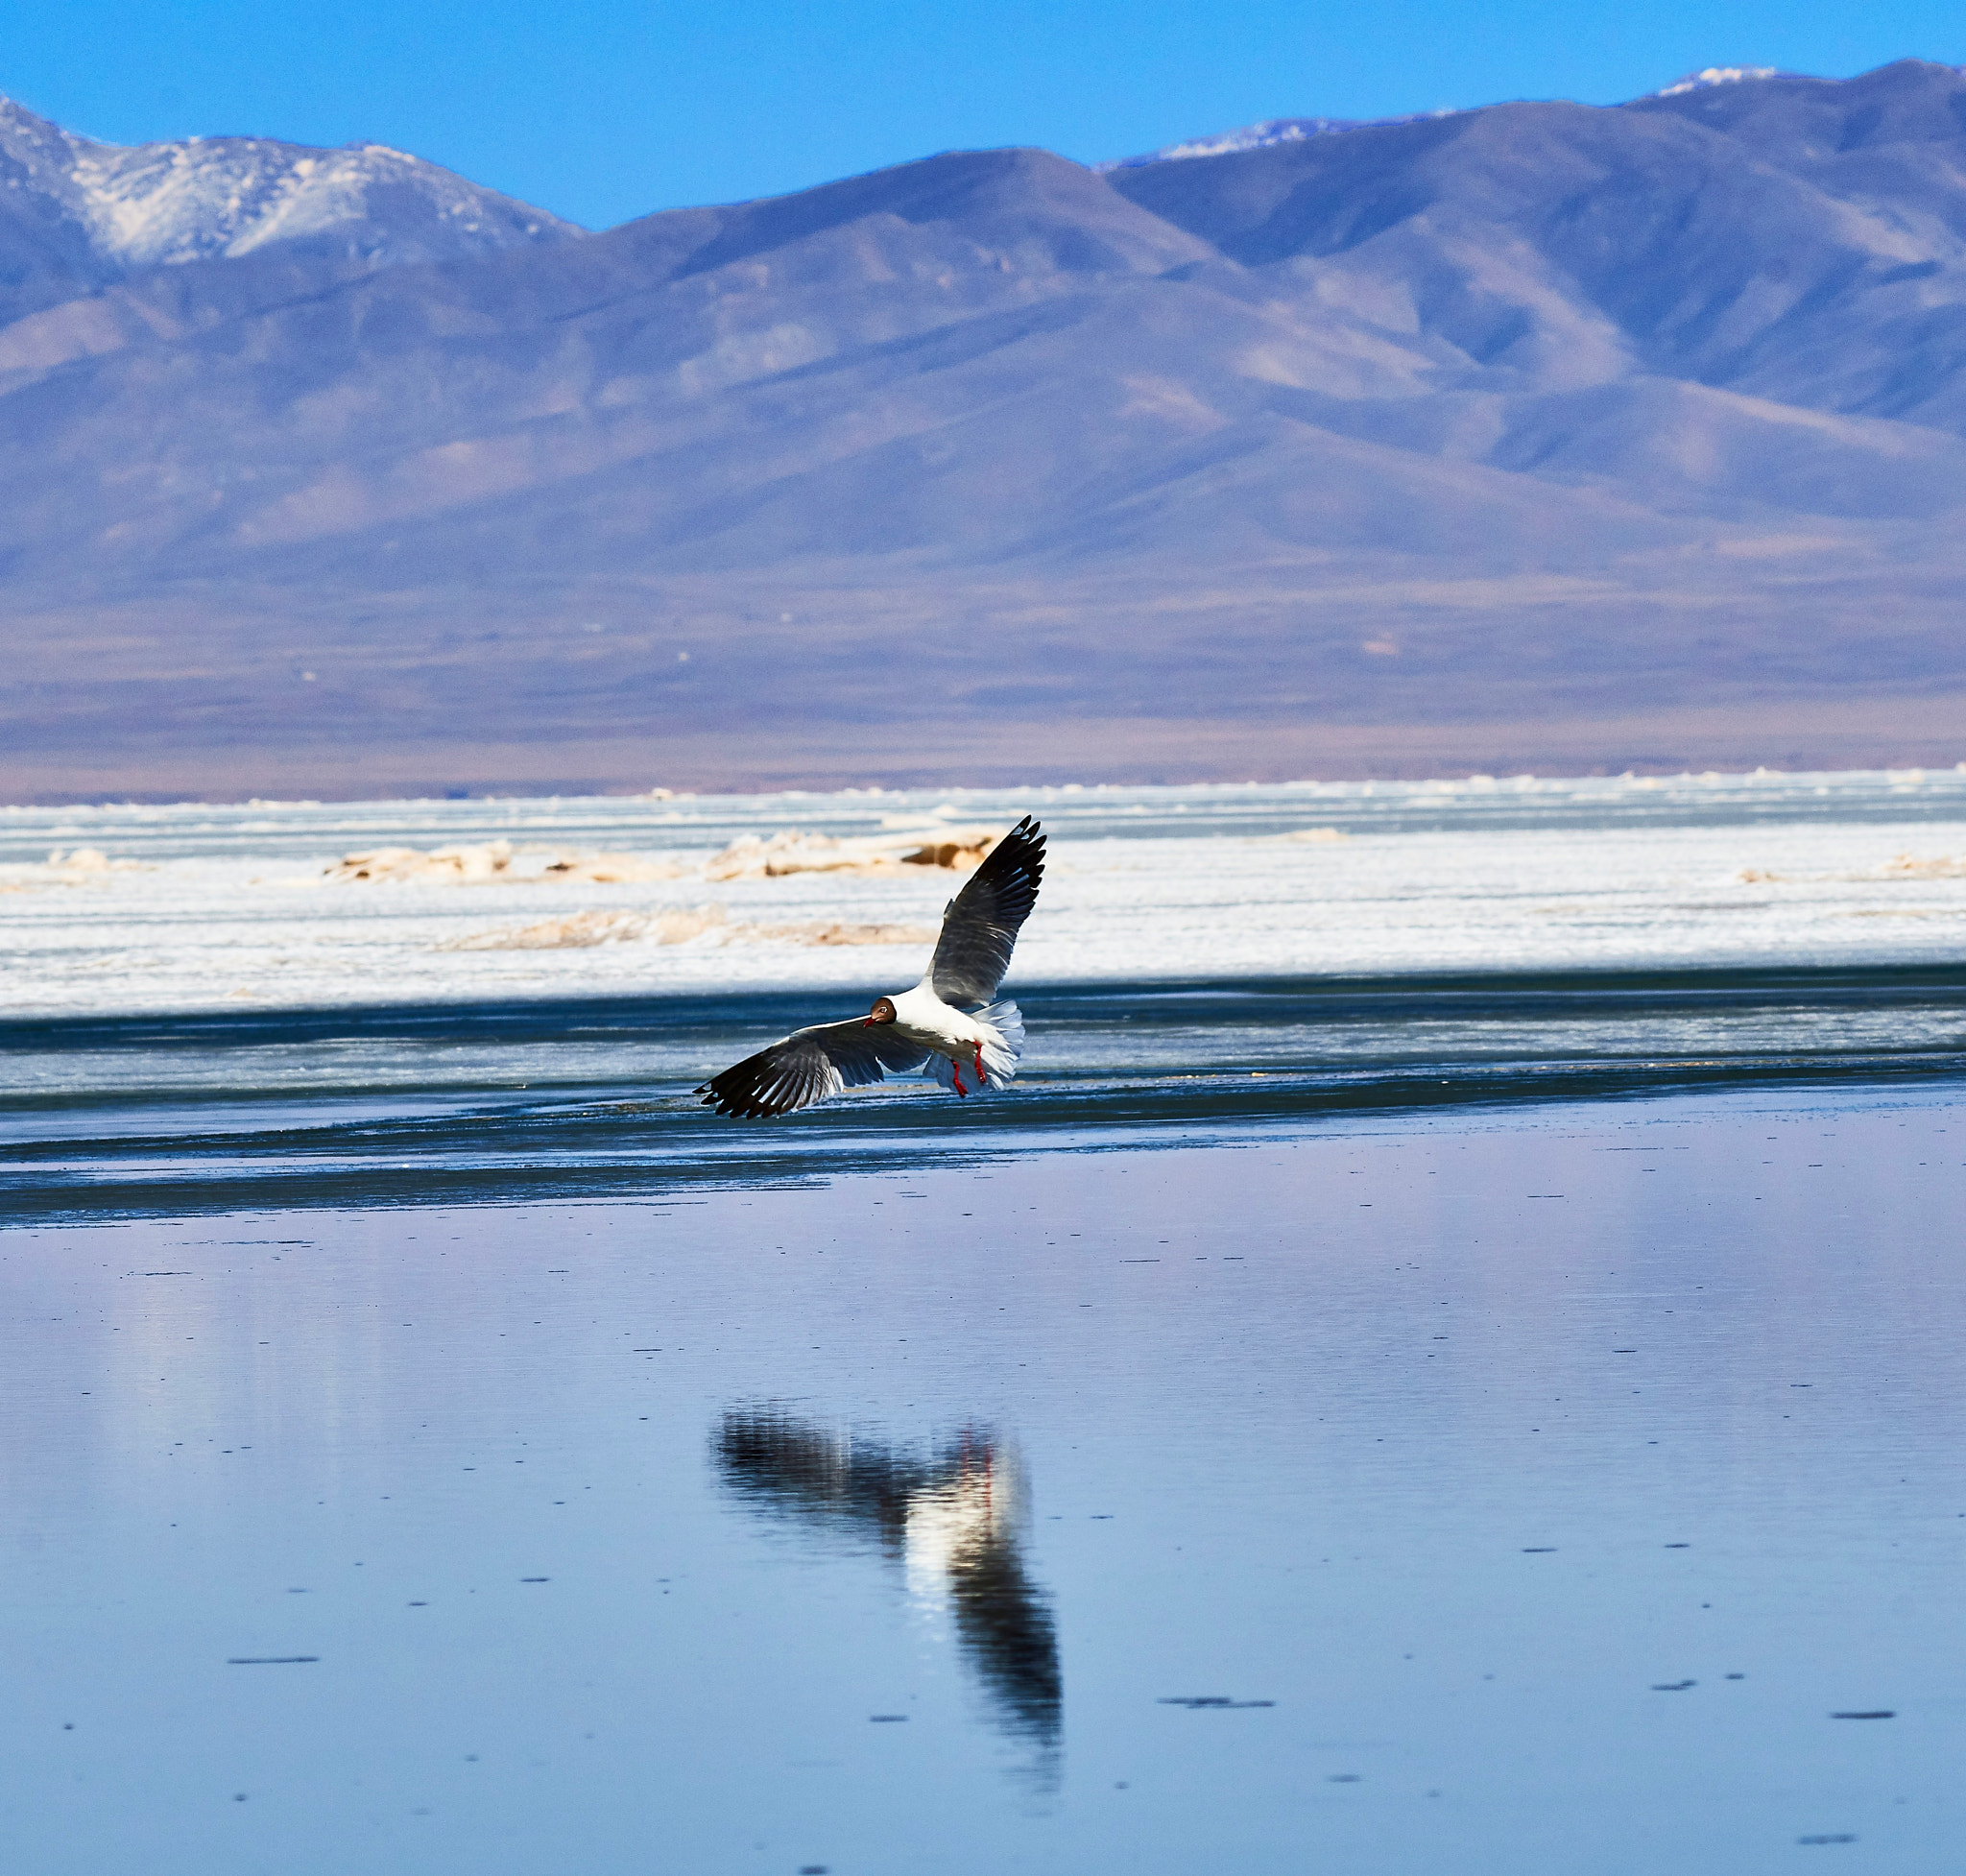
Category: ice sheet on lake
[194,906]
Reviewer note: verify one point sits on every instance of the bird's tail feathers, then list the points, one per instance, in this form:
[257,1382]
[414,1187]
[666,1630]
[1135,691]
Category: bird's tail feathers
[1003,1043]
[1000,1057]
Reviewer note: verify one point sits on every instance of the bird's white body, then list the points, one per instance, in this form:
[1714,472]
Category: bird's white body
[922,1017]
[988,1043]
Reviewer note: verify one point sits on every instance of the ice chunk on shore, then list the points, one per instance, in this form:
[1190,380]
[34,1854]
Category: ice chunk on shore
[579,930]
[751,856]
[492,863]
[80,867]
[610,870]
[446,866]
[1942,866]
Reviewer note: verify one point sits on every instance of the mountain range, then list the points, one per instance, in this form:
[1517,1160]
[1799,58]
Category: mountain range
[1540,435]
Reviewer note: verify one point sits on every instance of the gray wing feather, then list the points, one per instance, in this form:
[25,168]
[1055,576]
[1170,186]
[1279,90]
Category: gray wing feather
[982,925]
[806,1067]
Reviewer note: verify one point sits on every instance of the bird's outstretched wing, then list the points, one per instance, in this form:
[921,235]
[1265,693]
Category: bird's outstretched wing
[808,1065]
[981,924]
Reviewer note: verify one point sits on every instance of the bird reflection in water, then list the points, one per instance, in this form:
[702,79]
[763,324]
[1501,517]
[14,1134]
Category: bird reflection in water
[954,1518]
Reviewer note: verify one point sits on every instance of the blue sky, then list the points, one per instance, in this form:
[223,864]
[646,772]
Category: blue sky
[603,110]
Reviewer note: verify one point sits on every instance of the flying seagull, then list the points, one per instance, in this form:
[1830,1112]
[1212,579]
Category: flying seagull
[926,1028]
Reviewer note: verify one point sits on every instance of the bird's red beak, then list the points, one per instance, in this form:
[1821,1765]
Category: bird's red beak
[868,1024]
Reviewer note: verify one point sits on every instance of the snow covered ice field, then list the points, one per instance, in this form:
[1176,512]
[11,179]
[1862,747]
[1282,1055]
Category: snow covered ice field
[1447,1359]
[197,907]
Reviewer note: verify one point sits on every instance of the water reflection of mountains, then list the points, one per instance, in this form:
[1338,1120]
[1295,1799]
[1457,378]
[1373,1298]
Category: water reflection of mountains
[954,1518]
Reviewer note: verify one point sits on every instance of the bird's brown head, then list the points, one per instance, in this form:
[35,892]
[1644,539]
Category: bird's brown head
[884,1011]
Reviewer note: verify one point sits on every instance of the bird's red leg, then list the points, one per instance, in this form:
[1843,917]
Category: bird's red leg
[955,1070]
[981,1081]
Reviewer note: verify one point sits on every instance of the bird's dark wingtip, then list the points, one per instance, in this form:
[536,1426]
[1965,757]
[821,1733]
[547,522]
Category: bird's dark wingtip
[1027,843]
[740,1103]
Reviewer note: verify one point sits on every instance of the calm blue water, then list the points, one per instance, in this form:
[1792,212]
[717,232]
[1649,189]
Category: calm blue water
[1521,1488]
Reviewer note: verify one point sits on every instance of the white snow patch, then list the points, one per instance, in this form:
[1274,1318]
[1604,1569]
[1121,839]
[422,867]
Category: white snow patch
[1713,75]
[205,198]
[1259,136]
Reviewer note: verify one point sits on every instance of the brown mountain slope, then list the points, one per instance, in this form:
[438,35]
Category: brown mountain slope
[1537,435]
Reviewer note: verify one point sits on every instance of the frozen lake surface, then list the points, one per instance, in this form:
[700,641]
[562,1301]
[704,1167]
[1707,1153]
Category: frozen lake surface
[1449,1358]
[1524,1491]
[224,908]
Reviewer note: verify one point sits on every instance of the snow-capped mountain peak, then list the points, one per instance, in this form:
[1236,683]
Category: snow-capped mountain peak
[1713,75]
[1259,136]
[1297,129]
[203,197]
